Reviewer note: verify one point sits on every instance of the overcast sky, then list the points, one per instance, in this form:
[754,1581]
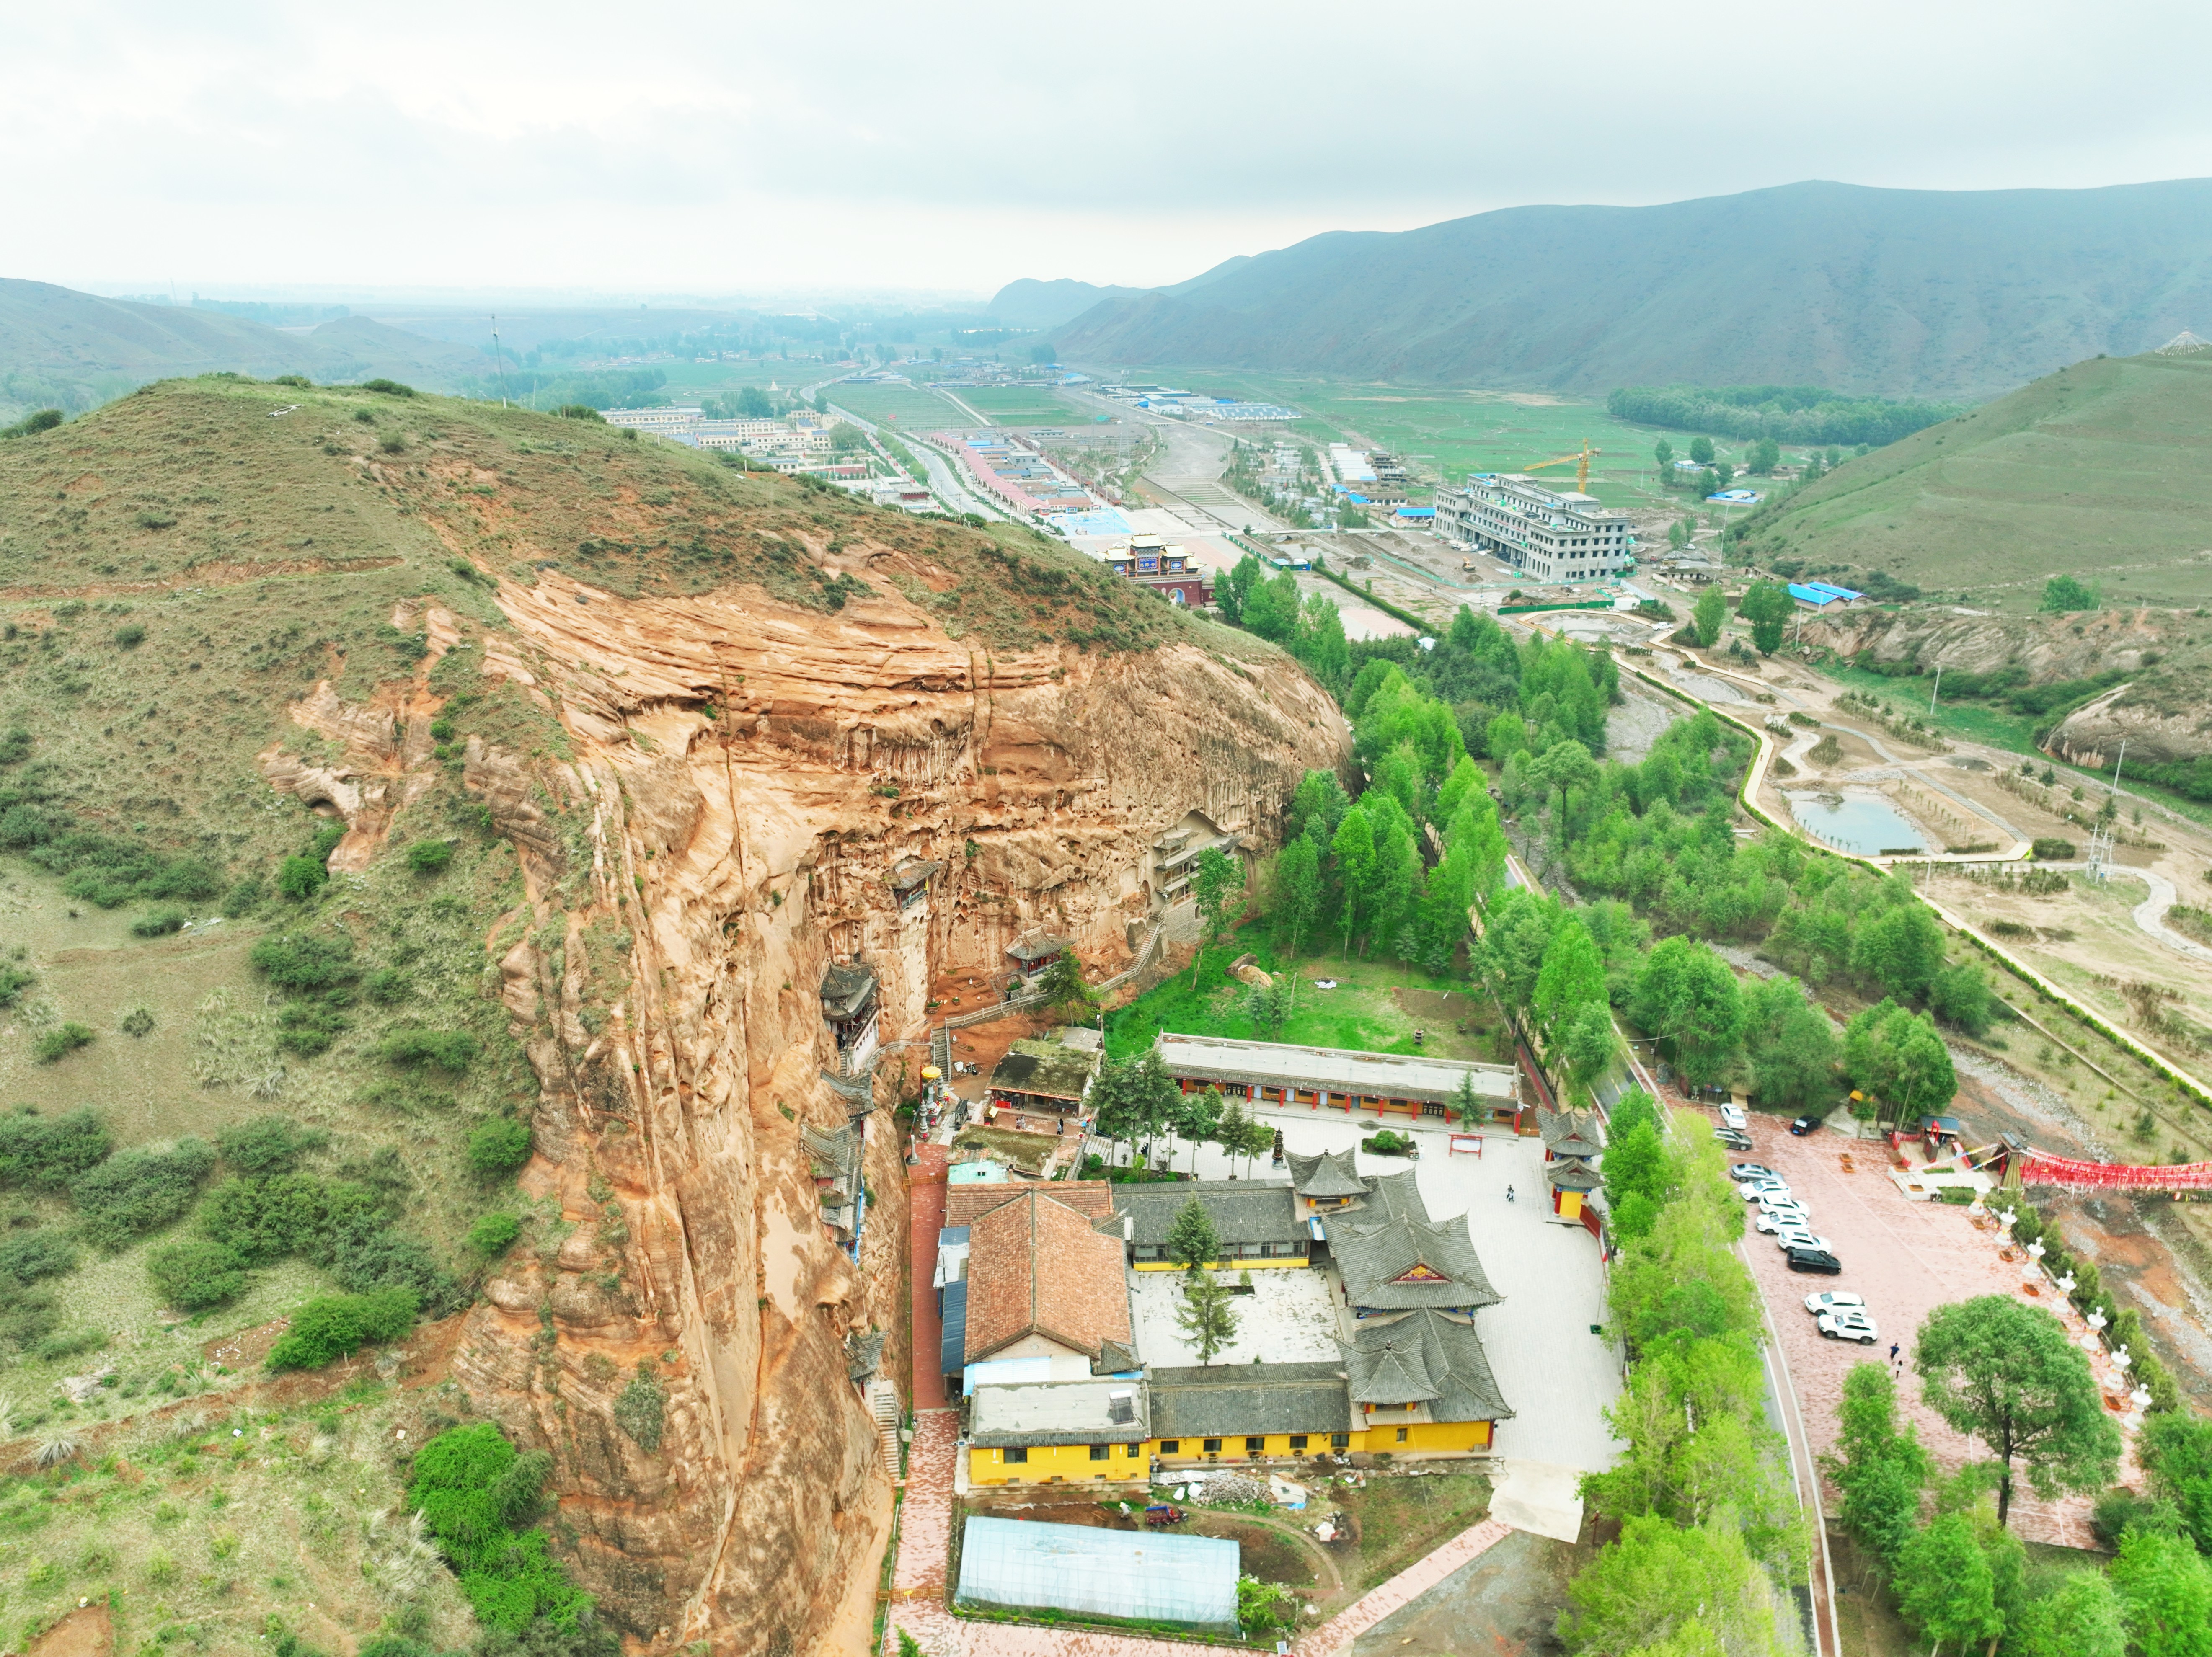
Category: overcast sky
[736,148]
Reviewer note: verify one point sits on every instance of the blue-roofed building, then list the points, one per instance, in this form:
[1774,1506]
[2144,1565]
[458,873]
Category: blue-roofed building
[1819,596]
[1845,594]
[1130,1576]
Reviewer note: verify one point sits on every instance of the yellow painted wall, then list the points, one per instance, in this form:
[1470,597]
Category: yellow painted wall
[1299,1261]
[1071,1463]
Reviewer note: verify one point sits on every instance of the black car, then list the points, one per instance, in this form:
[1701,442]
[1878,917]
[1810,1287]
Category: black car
[1804,1125]
[1732,1139]
[1817,1260]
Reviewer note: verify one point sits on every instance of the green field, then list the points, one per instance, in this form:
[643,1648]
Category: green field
[907,406]
[1021,405]
[2097,471]
[1452,433]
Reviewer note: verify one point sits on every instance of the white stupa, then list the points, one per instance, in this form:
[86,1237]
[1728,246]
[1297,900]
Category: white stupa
[2184,344]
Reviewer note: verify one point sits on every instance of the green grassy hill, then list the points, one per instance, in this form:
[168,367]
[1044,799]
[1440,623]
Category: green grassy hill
[2102,470]
[1921,292]
[63,349]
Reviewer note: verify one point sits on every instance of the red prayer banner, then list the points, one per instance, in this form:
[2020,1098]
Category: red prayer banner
[2041,1168]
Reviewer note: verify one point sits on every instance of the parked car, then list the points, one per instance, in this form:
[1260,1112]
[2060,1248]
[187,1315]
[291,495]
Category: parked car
[1804,1125]
[1751,1190]
[1776,1220]
[1733,1140]
[1732,1116]
[1742,1171]
[1798,1237]
[1834,1300]
[1816,1261]
[1768,1200]
[1848,1325]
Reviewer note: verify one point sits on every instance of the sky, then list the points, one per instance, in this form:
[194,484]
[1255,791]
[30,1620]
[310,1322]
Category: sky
[738,149]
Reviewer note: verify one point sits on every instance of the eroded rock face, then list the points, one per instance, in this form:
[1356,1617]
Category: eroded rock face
[744,778]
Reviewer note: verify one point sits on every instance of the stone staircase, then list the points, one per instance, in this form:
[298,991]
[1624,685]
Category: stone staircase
[883,1405]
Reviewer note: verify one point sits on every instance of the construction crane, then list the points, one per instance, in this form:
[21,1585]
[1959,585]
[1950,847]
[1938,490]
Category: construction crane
[1580,462]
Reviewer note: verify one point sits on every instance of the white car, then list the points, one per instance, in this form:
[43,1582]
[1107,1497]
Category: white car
[1775,1220]
[1848,1325]
[1797,1236]
[1744,1173]
[1732,1116]
[1752,1190]
[1834,1301]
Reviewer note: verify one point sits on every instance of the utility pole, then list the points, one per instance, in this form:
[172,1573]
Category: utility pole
[498,360]
[1937,687]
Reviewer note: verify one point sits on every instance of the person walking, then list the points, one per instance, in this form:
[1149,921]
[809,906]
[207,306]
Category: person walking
[1892,1352]
[1508,1193]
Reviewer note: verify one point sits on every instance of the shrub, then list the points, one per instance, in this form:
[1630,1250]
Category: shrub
[131,636]
[158,923]
[427,856]
[47,1153]
[414,1047]
[14,981]
[261,1220]
[196,1274]
[35,1255]
[498,1147]
[336,1325]
[267,1145]
[300,877]
[393,443]
[639,1411]
[136,1190]
[61,1041]
[389,387]
[305,963]
[386,986]
[139,1021]
[2052,849]
[493,1235]
[579,412]
[75,1344]
[307,1027]
[243,899]
[476,1494]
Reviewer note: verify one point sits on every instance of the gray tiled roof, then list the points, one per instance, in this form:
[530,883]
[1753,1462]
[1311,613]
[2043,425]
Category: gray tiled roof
[1230,1400]
[845,990]
[1243,1210]
[1327,1174]
[1573,1173]
[1376,1256]
[1439,1355]
[1570,1132]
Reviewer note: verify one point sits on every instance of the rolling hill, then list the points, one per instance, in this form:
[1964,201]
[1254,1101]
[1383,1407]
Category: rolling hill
[70,350]
[2102,470]
[1885,292]
[1029,303]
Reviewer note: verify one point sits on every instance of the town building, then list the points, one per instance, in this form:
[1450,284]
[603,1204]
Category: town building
[667,421]
[1552,537]
[1823,596]
[1045,1074]
[1141,1576]
[1152,562]
[1176,854]
[1337,1079]
[1042,1283]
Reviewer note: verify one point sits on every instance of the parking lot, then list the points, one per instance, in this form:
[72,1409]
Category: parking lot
[1906,1259]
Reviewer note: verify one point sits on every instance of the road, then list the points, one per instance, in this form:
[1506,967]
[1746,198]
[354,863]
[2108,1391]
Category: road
[944,480]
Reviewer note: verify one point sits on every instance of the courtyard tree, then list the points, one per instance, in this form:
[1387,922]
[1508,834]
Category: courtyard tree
[1267,1006]
[1205,1317]
[1944,1586]
[2005,1373]
[1297,894]
[1767,606]
[1065,996]
[1707,614]
[1686,996]
[1192,1242]
[1134,1099]
[1216,885]
[1879,1466]
[1195,1116]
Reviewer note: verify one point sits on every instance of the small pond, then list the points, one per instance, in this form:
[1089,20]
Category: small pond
[1864,823]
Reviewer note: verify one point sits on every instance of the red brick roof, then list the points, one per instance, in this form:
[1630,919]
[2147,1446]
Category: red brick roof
[966,1203]
[1035,1266]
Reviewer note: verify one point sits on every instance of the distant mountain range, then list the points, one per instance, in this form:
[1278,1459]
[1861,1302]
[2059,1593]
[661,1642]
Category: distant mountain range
[1894,293]
[1029,303]
[61,348]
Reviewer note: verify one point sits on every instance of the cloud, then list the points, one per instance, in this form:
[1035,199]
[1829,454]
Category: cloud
[735,146]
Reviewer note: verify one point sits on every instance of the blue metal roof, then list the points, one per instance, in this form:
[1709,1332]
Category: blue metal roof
[1142,1575]
[954,1355]
[1814,594]
[1830,586]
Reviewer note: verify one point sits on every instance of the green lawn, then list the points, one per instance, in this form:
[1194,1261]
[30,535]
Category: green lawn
[1456,431]
[1022,405]
[1361,1013]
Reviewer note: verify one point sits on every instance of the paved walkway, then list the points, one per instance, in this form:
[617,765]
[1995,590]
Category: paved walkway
[926,1210]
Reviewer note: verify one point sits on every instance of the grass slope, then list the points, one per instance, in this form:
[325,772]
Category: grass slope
[1887,292]
[177,571]
[2099,470]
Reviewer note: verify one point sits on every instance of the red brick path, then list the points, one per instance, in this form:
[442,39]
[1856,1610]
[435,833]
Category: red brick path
[925,1211]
